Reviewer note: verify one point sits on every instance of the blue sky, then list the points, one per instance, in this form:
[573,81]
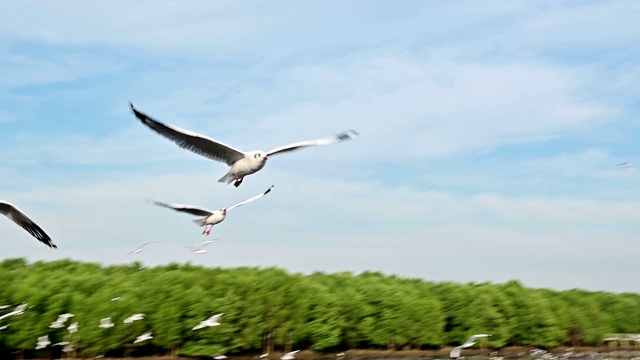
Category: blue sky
[490,135]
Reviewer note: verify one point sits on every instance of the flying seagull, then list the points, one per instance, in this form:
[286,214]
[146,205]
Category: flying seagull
[143,337]
[19,310]
[289,355]
[73,327]
[212,321]
[14,214]
[455,352]
[200,249]
[625,165]
[132,318]
[211,217]
[241,163]
[43,342]
[139,250]
[106,323]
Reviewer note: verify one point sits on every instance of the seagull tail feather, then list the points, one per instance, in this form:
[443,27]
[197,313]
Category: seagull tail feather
[200,222]
[226,179]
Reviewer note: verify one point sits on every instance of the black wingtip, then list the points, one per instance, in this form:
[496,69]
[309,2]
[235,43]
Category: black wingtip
[268,190]
[347,135]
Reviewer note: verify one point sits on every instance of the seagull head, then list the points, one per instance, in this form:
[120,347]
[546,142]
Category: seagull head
[259,156]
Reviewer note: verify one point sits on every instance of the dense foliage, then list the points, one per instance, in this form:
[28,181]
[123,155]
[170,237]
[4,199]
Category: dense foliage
[318,311]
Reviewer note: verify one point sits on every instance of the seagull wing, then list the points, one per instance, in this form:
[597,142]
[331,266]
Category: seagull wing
[347,135]
[14,214]
[185,208]
[191,141]
[251,199]
[215,318]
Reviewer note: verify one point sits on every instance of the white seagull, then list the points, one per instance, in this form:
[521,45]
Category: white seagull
[143,337]
[455,352]
[241,163]
[106,323]
[211,217]
[139,250]
[14,214]
[73,327]
[212,321]
[43,342]
[18,311]
[132,318]
[200,249]
[118,298]
[289,355]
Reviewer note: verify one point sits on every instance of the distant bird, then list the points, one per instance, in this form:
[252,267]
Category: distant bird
[132,318]
[139,249]
[62,343]
[143,337]
[73,327]
[106,323]
[19,310]
[211,217]
[14,214]
[241,163]
[118,298]
[625,165]
[455,352]
[212,321]
[340,355]
[264,356]
[219,357]
[200,249]
[289,355]
[60,321]
[43,342]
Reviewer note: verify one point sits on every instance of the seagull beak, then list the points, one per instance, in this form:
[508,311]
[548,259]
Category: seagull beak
[265,158]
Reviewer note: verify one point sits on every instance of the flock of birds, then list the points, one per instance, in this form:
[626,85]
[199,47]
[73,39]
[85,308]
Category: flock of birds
[241,164]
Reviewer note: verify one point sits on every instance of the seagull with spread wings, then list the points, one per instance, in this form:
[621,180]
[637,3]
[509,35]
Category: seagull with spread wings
[212,321]
[14,214]
[455,352]
[241,163]
[211,217]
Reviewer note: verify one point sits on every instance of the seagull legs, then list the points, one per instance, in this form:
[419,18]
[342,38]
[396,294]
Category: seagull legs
[207,231]
[238,182]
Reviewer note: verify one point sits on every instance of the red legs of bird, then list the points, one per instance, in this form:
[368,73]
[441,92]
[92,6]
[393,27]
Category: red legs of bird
[238,182]
[205,231]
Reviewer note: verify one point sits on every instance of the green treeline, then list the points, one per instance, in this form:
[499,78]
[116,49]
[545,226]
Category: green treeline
[323,312]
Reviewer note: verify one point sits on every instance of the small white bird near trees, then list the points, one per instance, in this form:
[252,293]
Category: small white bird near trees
[455,352]
[212,321]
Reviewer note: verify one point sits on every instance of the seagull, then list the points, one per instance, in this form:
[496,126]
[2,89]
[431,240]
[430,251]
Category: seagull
[143,337]
[219,357]
[200,249]
[625,165]
[289,355]
[132,318]
[211,217]
[241,163]
[14,214]
[73,327]
[106,323]
[18,311]
[212,321]
[43,342]
[61,320]
[455,352]
[139,250]
[118,298]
